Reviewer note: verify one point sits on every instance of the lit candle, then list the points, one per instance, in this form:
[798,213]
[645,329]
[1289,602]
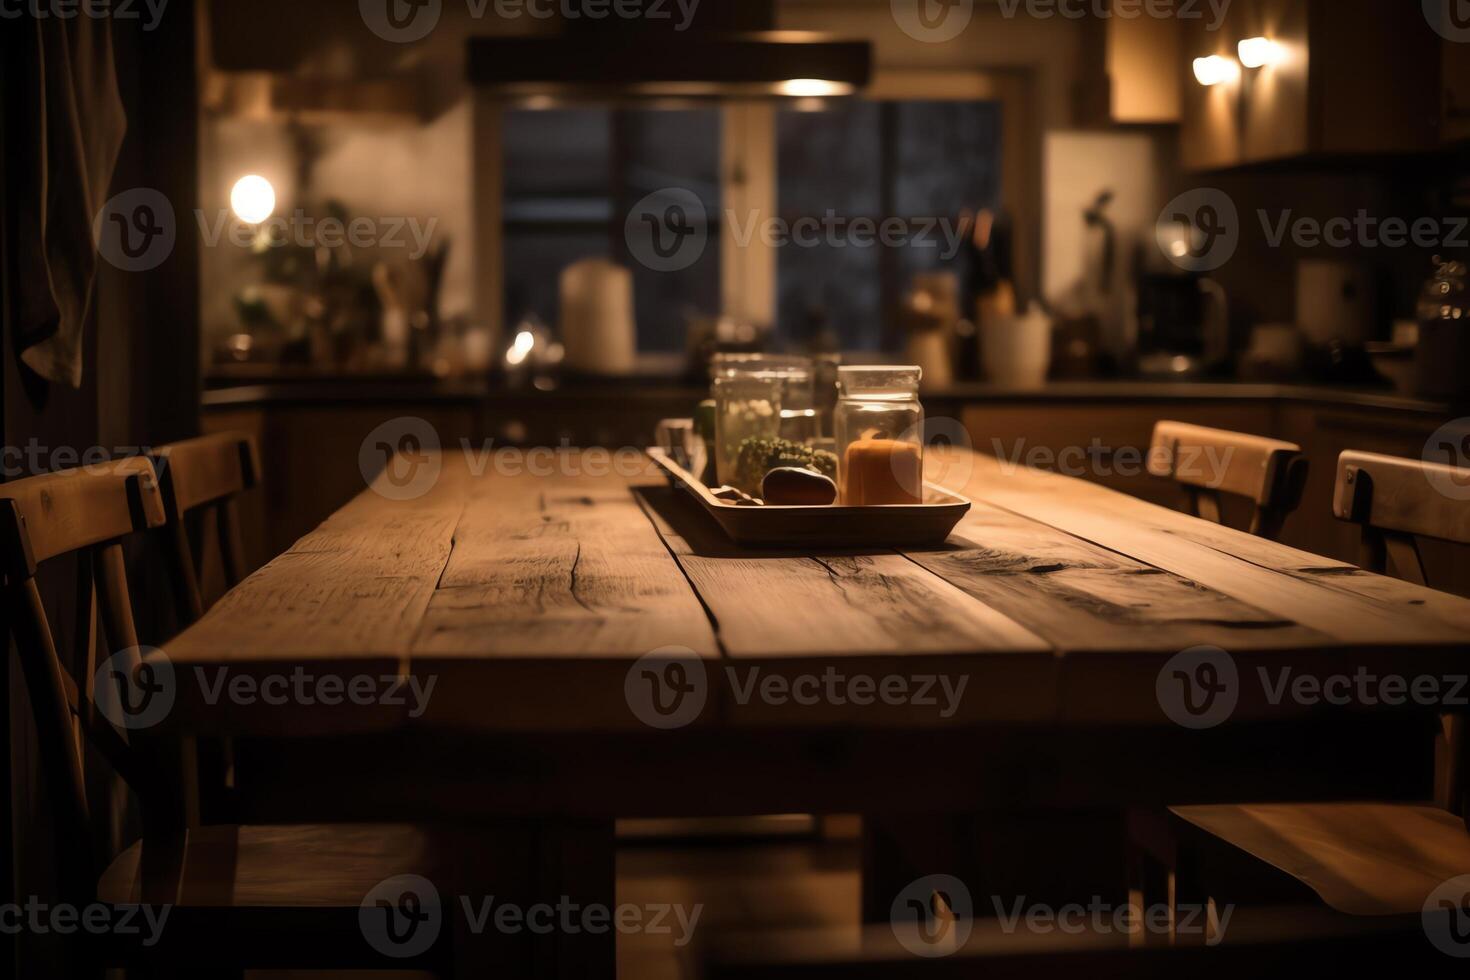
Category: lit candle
[883,471]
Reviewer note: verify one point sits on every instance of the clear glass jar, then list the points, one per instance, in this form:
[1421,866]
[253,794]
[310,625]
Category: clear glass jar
[747,406]
[799,419]
[880,436]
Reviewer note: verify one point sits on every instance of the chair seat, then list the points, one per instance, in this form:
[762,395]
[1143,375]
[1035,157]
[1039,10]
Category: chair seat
[298,866]
[1360,858]
[270,897]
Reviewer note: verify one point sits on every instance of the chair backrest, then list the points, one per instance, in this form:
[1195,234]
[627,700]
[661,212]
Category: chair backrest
[85,512]
[1397,501]
[206,474]
[1207,463]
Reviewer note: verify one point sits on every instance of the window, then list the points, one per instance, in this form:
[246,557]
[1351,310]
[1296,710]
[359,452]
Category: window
[571,177]
[923,162]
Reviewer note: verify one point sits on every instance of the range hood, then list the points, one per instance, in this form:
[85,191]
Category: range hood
[720,49]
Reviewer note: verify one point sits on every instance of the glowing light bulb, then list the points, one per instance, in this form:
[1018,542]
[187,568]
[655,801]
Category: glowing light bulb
[1216,69]
[1258,52]
[813,88]
[253,199]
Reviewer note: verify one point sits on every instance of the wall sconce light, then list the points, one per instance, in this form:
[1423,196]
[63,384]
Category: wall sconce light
[1216,69]
[253,199]
[1258,52]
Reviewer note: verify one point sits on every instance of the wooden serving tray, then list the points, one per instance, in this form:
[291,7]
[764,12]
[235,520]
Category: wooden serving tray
[890,526]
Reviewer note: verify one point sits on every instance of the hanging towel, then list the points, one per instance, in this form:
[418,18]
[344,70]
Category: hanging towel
[75,119]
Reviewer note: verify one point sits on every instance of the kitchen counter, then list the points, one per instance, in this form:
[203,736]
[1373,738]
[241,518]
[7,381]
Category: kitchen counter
[673,393]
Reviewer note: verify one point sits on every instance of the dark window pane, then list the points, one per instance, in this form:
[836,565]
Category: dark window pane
[922,162]
[571,178]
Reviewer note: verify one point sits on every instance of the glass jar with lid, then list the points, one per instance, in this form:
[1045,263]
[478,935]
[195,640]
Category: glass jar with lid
[880,436]
[799,417]
[759,396]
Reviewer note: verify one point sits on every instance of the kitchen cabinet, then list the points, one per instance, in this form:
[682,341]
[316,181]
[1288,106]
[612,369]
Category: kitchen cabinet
[1337,88]
[1142,64]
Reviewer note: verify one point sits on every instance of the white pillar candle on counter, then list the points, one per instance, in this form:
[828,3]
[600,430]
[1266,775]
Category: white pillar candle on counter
[597,324]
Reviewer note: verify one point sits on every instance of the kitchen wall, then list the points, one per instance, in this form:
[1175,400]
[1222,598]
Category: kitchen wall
[1136,167]
[388,172]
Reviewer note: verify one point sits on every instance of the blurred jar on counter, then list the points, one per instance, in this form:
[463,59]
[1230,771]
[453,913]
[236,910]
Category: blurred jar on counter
[1442,362]
[880,432]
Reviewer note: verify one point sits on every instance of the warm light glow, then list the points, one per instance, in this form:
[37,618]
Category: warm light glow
[813,88]
[524,342]
[1258,52]
[1216,69]
[253,199]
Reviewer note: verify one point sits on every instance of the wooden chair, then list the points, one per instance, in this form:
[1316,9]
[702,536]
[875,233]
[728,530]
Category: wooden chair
[1359,858]
[200,481]
[240,896]
[1207,463]
[204,477]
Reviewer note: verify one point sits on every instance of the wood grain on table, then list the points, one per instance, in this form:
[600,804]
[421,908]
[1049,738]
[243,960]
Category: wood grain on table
[528,598]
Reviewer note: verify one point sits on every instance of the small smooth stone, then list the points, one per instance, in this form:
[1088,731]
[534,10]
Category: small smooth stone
[730,495]
[789,486]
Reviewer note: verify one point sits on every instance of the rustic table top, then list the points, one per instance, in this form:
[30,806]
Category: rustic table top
[528,599]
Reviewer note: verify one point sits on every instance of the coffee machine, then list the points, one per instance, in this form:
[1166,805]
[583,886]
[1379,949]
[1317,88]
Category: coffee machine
[1183,325]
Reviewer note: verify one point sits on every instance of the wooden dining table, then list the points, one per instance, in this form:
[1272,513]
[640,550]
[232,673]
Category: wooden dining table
[544,648]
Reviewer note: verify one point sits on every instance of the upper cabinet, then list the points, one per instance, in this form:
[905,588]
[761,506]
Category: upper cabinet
[1332,82]
[1142,55]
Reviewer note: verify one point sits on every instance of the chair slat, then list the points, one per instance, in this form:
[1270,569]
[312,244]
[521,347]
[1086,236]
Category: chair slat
[64,512]
[1405,496]
[206,470]
[1206,462]
[1238,463]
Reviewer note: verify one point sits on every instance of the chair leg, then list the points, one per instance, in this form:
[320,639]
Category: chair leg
[1149,862]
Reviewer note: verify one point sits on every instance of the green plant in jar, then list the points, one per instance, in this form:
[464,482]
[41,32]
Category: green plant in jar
[746,407]
[759,455]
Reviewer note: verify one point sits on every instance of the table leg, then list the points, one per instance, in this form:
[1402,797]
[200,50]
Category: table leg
[1051,858]
[543,876]
[899,850]
[577,871]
